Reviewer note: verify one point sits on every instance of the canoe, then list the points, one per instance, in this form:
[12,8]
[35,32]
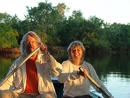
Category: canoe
[59,89]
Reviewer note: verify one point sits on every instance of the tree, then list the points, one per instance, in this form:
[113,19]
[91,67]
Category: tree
[44,19]
[119,36]
[97,35]
[7,33]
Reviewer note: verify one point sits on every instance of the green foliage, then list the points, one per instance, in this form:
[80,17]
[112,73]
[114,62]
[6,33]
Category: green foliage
[55,29]
[8,39]
[118,35]
[44,19]
[4,66]
[7,33]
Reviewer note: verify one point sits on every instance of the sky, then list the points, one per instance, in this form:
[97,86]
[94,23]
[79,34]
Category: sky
[108,10]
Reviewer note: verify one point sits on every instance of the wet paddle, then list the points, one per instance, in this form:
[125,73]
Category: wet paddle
[8,76]
[96,84]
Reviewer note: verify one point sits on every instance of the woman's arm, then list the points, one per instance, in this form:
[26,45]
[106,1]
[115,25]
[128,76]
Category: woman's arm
[68,73]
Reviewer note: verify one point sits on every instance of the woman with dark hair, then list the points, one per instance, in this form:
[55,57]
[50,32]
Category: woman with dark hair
[33,78]
[76,84]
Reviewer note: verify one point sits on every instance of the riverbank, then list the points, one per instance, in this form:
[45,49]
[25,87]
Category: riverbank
[58,49]
[17,50]
[10,50]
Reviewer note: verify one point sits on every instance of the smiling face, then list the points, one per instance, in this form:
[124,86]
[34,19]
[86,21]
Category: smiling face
[76,53]
[31,44]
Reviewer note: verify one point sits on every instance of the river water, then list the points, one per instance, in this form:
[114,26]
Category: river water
[112,69]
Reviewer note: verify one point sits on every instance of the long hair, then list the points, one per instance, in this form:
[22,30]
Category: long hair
[73,45]
[23,41]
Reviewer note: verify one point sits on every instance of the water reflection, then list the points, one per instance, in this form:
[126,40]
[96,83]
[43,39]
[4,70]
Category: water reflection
[112,69]
[110,64]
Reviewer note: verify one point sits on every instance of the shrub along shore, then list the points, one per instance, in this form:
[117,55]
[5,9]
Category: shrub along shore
[17,50]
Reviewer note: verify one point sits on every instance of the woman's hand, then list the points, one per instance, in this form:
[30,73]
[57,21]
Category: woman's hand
[83,72]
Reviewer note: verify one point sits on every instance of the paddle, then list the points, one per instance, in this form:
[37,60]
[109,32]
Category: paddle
[8,76]
[96,84]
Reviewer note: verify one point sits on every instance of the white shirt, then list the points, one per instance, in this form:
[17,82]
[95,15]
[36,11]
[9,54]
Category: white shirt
[17,81]
[75,85]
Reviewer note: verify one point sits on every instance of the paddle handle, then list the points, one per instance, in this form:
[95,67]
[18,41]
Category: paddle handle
[9,75]
[96,84]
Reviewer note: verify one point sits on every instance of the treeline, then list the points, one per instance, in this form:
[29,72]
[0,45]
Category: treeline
[55,29]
